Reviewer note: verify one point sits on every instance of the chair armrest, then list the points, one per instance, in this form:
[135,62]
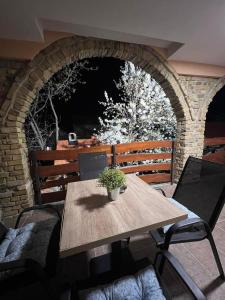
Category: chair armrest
[36,269]
[180,225]
[15,264]
[37,207]
[161,190]
[163,256]
[27,264]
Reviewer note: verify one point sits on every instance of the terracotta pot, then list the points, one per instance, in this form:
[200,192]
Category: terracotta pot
[114,194]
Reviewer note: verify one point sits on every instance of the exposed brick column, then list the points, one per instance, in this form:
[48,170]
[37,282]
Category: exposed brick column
[200,92]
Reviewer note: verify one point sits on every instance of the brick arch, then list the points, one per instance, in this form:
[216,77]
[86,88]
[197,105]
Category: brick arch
[65,51]
[213,91]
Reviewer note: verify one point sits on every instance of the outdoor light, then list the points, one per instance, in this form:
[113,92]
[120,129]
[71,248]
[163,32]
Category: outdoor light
[72,138]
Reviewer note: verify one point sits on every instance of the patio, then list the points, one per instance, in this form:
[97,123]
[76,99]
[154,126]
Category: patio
[168,41]
[196,257]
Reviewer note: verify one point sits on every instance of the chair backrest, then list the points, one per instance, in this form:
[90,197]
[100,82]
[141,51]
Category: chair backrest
[201,189]
[91,164]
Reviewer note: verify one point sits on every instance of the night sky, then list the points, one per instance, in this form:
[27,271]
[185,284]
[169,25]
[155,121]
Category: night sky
[80,113]
[83,107]
[216,112]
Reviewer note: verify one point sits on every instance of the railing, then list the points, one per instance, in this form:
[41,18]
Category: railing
[215,153]
[47,178]
[136,157]
[152,161]
[122,155]
[139,157]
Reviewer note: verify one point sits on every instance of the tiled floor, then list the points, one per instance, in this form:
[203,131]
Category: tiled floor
[196,257]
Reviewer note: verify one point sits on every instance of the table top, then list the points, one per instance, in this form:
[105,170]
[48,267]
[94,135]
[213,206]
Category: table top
[90,220]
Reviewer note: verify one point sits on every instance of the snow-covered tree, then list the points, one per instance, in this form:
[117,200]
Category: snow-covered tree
[142,113]
[42,123]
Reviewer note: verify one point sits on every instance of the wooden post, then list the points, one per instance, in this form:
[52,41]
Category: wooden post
[172,161]
[35,178]
[113,156]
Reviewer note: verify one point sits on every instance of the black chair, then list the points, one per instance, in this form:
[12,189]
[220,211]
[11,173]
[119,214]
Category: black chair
[91,164]
[29,255]
[201,193]
[165,279]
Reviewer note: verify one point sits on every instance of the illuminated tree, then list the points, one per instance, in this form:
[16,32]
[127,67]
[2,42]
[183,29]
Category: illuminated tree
[142,113]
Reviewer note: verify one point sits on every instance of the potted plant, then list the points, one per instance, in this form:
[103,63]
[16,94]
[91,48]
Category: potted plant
[113,180]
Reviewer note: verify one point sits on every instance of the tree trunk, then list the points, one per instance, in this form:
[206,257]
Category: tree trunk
[37,132]
[56,120]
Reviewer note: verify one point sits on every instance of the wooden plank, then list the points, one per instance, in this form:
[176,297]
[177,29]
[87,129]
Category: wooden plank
[91,220]
[218,156]
[58,182]
[81,143]
[45,171]
[56,155]
[148,167]
[69,154]
[53,197]
[142,156]
[63,162]
[214,141]
[134,146]
[154,178]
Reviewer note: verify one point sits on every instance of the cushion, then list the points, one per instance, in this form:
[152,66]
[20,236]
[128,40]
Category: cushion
[29,241]
[3,231]
[184,208]
[144,285]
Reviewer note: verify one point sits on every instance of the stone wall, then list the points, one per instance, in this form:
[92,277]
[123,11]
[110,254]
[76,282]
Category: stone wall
[187,95]
[8,71]
[13,196]
[198,90]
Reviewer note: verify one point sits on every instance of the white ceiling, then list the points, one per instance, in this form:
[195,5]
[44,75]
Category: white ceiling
[195,28]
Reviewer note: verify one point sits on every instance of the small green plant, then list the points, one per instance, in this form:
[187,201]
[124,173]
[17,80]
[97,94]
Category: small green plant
[112,179]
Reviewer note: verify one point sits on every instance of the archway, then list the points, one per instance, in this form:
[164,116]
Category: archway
[215,117]
[18,187]
[212,93]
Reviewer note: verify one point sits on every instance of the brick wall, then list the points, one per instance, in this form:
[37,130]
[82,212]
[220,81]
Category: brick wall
[197,89]
[13,193]
[8,71]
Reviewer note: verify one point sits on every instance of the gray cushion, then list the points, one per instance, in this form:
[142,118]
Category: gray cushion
[30,241]
[142,286]
[184,208]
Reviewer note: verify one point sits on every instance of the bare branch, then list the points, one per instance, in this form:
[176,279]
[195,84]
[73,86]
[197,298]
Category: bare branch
[42,117]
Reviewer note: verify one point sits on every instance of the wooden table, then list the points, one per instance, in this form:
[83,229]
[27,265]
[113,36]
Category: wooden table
[90,220]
